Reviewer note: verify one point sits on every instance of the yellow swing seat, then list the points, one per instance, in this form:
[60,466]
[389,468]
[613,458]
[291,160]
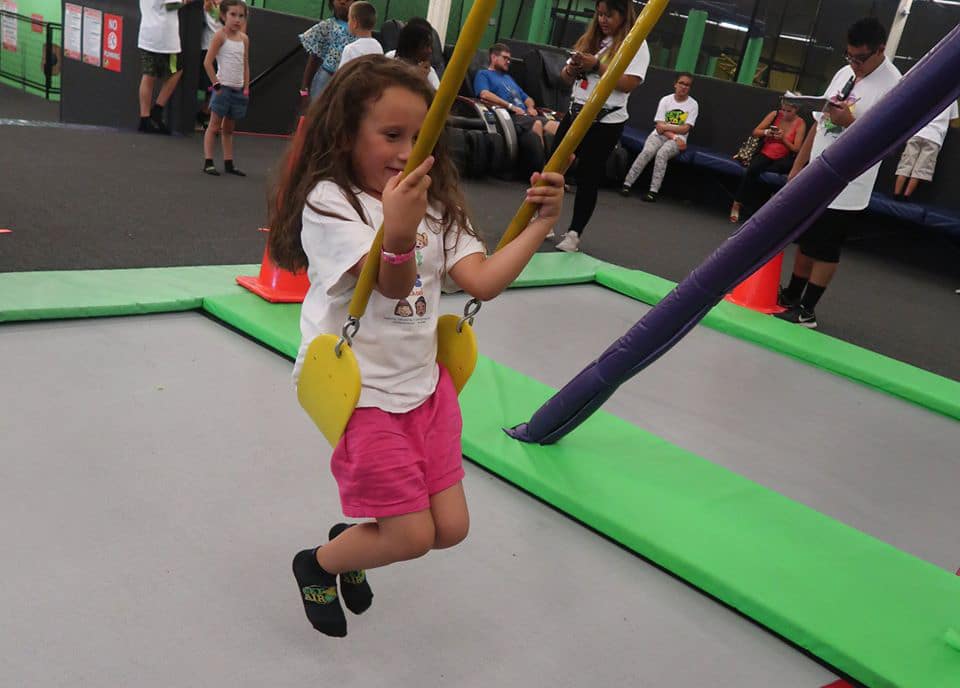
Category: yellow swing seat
[329,385]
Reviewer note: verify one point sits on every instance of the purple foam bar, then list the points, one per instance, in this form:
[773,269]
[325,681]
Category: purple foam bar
[922,94]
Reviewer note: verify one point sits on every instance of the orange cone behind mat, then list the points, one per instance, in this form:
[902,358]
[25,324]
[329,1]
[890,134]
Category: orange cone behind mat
[759,291]
[273,283]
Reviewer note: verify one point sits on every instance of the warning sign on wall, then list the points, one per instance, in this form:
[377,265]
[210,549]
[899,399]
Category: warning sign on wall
[72,23]
[92,35]
[8,26]
[112,41]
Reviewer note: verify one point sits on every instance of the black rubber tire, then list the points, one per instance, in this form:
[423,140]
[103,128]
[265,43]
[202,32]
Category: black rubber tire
[456,141]
[499,160]
[477,154]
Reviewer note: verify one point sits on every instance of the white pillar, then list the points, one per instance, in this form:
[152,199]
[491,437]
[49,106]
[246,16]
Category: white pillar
[438,14]
[896,28]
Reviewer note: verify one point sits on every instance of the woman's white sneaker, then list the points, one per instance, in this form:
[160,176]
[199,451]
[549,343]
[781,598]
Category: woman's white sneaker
[570,242]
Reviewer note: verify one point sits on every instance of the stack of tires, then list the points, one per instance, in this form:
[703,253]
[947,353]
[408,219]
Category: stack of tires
[478,153]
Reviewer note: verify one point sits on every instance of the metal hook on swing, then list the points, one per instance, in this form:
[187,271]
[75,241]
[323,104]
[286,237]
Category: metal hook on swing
[469,313]
[349,331]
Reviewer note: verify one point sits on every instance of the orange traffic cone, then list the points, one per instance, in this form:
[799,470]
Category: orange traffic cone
[273,283]
[759,291]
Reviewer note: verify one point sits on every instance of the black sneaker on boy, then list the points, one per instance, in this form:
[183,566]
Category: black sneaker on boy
[650,197]
[799,315]
[785,300]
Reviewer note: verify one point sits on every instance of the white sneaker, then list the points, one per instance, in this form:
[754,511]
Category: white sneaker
[570,242]
[551,236]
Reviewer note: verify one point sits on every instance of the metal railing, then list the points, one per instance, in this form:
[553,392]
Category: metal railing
[30,53]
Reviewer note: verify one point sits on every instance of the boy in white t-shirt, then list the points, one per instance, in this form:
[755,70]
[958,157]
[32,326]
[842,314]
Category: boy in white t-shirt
[919,157]
[159,44]
[853,91]
[361,18]
[676,116]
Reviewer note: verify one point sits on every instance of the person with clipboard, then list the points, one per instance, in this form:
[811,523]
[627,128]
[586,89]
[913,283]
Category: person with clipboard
[854,89]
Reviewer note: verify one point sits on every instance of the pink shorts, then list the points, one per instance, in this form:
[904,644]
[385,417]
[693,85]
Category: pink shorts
[390,464]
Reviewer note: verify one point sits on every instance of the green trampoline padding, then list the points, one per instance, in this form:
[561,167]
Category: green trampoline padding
[869,609]
[876,370]
[94,293]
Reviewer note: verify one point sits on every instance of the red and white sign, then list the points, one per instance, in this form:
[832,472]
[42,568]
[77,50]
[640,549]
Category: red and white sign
[92,36]
[112,41]
[37,24]
[72,23]
[8,26]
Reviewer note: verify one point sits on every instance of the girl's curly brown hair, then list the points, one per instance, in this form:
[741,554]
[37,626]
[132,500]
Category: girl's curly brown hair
[323,151]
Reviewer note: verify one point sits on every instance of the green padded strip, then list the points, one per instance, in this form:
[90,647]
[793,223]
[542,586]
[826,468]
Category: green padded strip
[275,324]
[92,293]
[555,269]
[865,607]
[914,384]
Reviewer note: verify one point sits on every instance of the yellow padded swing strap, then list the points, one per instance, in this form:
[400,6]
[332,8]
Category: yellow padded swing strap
[430,132]
[558,161]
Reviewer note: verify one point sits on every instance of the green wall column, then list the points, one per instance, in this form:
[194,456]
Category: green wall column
[692,39]
[751,58]
[539,21]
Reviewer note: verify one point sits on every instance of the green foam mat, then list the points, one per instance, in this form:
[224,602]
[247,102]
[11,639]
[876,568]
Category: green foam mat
[93,293]
[275,324]
[876,370]
[555,269]
[876,613]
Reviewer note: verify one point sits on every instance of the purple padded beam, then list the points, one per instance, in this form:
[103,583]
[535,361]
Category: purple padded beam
[923,93]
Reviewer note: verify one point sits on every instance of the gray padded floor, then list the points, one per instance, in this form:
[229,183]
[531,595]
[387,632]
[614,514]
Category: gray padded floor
[157,477]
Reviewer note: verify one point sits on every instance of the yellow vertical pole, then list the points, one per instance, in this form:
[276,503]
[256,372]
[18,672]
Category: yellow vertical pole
[433,124]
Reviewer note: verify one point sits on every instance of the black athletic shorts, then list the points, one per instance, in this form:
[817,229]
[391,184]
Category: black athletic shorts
[823,240]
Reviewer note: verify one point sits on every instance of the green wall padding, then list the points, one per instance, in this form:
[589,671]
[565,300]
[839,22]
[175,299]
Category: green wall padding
[900,379]
[93,293]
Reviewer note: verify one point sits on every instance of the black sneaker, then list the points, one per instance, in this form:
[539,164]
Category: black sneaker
[148,126]
[798,315]
[650,197]
[211,170]
[624,190]
[784,301]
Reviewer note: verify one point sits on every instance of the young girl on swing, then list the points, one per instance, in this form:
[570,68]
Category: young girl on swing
[399,460]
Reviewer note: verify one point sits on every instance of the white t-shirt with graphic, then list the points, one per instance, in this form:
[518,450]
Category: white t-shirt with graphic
[359,48]
[936,130]
[159,28]
[582,88]
[865,94]
[396,347]
[673,111]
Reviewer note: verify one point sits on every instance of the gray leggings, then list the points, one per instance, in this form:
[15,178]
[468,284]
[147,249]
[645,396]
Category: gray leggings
[660,147]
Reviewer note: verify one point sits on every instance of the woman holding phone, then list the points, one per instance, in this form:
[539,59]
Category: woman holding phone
[589,60]
[781,133]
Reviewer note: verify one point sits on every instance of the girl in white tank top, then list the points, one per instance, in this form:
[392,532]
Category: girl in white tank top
[230,48]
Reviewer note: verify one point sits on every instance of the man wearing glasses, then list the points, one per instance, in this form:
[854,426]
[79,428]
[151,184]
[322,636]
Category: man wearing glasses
[853,91]
[495,86]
